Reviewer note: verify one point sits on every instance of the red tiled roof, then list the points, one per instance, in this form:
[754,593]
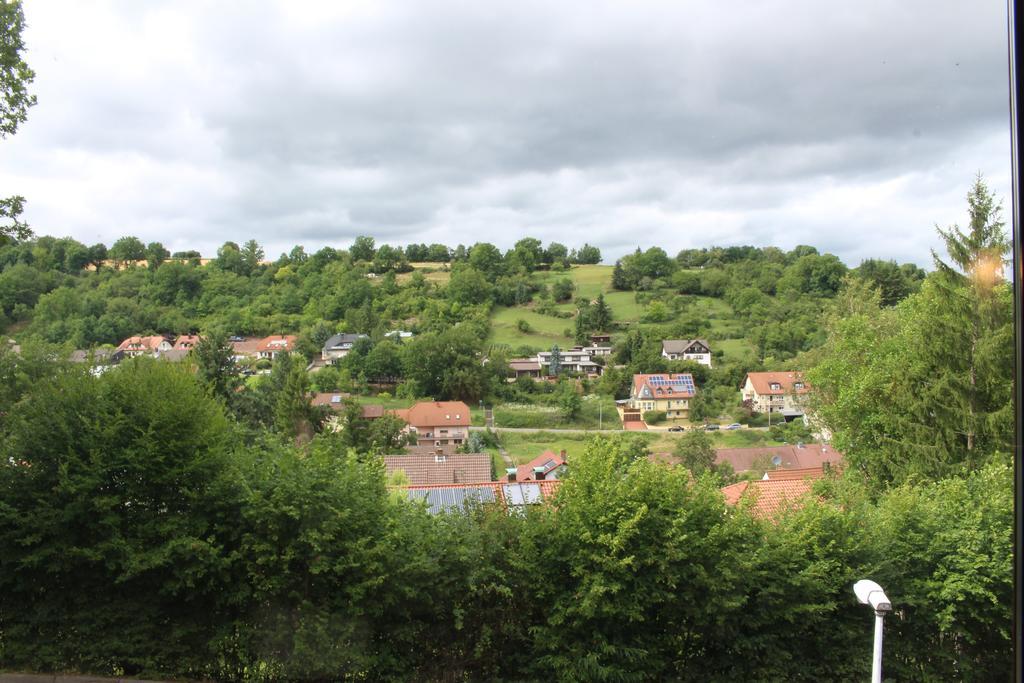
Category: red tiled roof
[186,341]
[790,457]
[661,391]
[141,343]
[426,469]
[333,399]
[371,412]
[436,414]
[762,382]
[769,496]
[525,472]
[802,473]
[524,364]
[246,347]
[278,342]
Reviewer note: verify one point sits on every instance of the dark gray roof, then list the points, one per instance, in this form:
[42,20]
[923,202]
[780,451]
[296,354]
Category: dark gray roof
[342,341]
[681,345]
[173,355]
[444,499]
[95,355]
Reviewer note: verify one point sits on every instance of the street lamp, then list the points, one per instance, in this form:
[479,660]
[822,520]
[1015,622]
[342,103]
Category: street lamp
[870,593]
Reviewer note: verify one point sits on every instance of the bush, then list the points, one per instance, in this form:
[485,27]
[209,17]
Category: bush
[654,417]
[523,326]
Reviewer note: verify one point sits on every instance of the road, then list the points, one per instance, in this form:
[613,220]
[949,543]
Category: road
[551,429]
[653,430]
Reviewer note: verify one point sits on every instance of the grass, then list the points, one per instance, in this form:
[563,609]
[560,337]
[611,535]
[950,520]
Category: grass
[735,349]
[387,402]
[624,306]
[547,330]
[596,412]
[523,447]
[437,273]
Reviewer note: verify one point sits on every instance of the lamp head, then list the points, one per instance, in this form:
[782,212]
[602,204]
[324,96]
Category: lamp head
[870,593]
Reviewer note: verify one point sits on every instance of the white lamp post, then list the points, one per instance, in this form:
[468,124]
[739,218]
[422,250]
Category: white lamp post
[870,593]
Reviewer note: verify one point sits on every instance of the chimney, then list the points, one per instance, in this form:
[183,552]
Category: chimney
[538,473]
[511,473]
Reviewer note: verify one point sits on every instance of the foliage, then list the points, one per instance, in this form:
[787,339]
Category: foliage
[15,100]
[142,537]
[924,389]
[654,416]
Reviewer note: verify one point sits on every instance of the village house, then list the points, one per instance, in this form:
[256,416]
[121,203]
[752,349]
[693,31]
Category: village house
[335,400]
[339,346]
[270,347]
[578,359]
[524,367]
[438,423]
[667,392]
[243,348]
[687,349]
[800,456]
[768,458]
[546,466]
[142,346]
[186,342]
[776,392]
[422,469]
[775,492]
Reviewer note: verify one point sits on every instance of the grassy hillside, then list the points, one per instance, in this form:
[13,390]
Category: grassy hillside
[544,331]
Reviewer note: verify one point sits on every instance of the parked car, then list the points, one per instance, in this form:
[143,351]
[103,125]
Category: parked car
[677,428]
[734,425]
[712,428]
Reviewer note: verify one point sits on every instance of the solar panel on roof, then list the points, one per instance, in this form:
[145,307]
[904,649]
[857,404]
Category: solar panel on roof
[521,494]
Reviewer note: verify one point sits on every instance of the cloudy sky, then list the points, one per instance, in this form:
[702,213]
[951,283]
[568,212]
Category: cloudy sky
[855,127]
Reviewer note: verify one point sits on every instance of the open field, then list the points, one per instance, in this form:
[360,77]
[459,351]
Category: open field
[524,446]
[433,272]
[547,330]
[596,412]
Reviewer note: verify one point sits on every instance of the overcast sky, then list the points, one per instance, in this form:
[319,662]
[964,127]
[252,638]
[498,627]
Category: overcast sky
[851,126]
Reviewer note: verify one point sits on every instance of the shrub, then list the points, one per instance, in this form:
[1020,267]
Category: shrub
[523,326]
[654,416]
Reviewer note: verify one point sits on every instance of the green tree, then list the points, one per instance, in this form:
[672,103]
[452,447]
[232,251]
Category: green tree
[925,388]
[127,249]
[601,314]
[293,414]
[363,249]
[252,255]
[569,403]
[215,365]
[132,505]
[485,258]
[588,254]
[15,100]
[562,290]
[695,452]
[555,367]
[156,254]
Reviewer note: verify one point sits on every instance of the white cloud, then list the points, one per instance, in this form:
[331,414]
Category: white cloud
[854,128]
